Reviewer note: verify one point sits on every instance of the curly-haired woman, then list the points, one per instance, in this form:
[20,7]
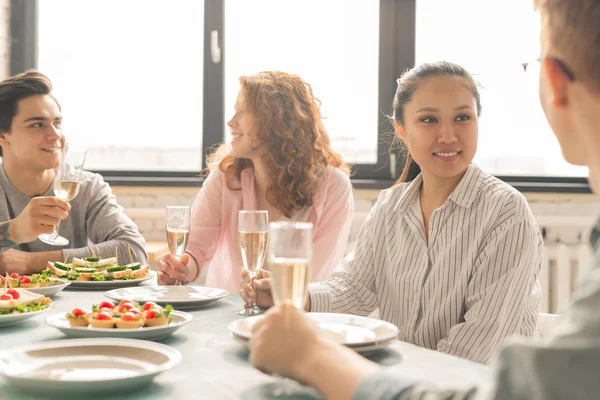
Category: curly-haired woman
[280,160]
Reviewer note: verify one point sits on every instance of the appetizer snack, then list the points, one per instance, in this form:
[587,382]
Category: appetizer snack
[78,317]
[127,314]
[97,269]
[102,319]
[130,320]
[42,279]
[14,301]
[157,316]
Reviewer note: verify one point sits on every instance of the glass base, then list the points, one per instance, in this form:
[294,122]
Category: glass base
[248,312]
[54,240]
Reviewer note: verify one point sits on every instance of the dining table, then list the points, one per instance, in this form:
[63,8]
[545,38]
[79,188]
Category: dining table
[216,366]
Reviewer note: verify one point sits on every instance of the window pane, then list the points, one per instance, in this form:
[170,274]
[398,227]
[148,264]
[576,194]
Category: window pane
[128,75]
[492,40]
[333,45]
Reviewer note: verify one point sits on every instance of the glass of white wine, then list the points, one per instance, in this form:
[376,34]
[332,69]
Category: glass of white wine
[252,228]
[178,230]
[289,255]
[67,178]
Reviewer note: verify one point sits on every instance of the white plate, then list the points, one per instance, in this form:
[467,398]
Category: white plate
[350,330]
[178,319]
[359,349]
[85,366]
[9,319]
[105,285]
[50,291]
[186,296]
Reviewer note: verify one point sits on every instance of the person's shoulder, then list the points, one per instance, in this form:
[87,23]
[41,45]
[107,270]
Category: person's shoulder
[334,177]
[495,191]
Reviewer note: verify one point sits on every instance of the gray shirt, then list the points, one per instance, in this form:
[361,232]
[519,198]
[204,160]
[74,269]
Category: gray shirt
[566,367]
[95,216]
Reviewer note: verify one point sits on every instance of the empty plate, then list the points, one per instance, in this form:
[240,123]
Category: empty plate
[350,330]
[50,290]
[84,366]
[186,296]
[178,319]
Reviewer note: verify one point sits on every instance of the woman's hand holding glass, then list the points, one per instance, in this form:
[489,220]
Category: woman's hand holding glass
[261,293]
[172,270]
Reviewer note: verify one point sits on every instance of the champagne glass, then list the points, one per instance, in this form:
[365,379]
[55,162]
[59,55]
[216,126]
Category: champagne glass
[178,230]
[67,178]
[289,256]
[252,229]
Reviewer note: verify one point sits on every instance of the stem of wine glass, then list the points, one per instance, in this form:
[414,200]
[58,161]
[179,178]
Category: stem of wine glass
[55,233]
[253,306]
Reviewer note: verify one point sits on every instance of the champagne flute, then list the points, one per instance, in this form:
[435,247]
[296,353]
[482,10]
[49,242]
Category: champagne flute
[252,229]
[289,256]
[67,178]
[178,230]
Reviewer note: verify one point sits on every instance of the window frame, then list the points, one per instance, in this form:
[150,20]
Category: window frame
[397,34]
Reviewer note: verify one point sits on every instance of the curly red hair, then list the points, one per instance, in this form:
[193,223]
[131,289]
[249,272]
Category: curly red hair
[290,126]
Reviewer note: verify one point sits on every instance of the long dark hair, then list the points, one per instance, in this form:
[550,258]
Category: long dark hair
[407,86]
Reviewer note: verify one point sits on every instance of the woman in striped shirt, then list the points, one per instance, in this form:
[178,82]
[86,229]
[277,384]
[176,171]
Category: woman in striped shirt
[449,254]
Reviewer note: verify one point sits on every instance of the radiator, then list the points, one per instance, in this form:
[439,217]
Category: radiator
[562,268]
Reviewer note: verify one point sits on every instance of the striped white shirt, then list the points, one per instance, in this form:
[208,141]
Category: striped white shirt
[473,283]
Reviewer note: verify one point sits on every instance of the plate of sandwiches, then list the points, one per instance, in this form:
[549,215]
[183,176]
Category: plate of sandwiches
[18,305]
[43,283]
[78,368]
[127,319]
[100,273]
[361,334]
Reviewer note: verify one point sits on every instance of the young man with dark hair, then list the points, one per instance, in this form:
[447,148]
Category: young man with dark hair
[31,142]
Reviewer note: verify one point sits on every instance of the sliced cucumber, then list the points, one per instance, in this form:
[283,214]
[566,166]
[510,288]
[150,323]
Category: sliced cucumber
[117,268]
[64,267]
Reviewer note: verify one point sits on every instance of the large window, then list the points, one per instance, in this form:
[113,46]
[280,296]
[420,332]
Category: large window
[492,40]
[333,45]
[148,85]
[129,77]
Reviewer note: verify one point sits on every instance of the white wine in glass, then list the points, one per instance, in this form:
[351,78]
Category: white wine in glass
[290,277]
[177,238]
[254,248]
[178,229]
[67,179]
[289,256]
[252,230]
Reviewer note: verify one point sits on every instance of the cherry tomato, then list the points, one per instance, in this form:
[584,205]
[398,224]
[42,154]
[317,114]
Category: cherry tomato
[150,305]
[24,279]
[135,311]
[150,314]
[14,275]
[6,296]
[128,316]
[103,316]
[14,293]
[79,312]
[126,306]
[106,304]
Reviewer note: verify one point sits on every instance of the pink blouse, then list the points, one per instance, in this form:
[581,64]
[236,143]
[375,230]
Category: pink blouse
[214,242]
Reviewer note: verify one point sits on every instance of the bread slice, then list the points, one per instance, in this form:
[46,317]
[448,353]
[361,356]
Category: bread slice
[141,272]
[59,269]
